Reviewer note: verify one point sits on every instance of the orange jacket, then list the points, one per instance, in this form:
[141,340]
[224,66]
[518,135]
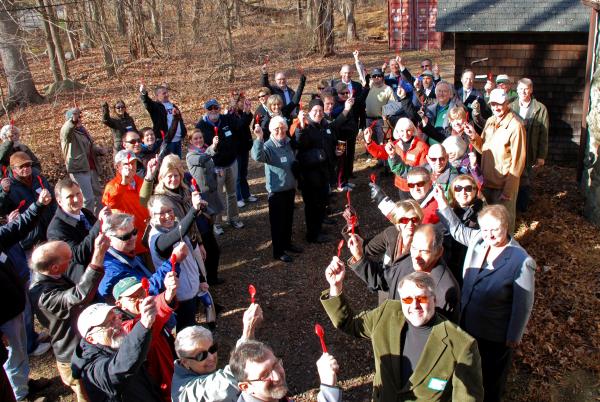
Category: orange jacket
[126,199]
[415,156]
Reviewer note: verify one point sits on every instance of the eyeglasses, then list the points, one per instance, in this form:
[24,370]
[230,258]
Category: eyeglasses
[269,376]
[262,96]
[127,236]
[420,299]
[377,76]
[457,188]
[344,93]
[25,165]
[213,108]
[405,219]
[440,159]
[133,141]
[200,357]
[416,184]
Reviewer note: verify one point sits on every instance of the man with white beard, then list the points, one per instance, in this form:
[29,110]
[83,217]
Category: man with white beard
[111,362]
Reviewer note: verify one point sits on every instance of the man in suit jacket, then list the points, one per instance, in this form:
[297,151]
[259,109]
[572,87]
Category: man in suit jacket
[419,355]
[467,94]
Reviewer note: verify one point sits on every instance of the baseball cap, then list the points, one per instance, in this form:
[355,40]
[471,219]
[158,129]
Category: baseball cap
[92,316]
[502,79]
[427,73]
[377,71]
[497,96]
[126,287]
[124,155]
[211,103]
[19,158]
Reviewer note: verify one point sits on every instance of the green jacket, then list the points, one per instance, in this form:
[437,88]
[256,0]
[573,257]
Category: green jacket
[537,125]
[77,149]
[449,368]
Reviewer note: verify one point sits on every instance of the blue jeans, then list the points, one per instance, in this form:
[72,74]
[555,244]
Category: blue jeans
[17,365]
[174,148]
[242,188]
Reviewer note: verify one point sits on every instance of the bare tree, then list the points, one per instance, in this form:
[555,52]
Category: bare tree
[100,20]
[50,49]
[54,32]
[21,88]
[119,16]
[136,33]
[347,8]
[196,26]
[324,27]
[227,9]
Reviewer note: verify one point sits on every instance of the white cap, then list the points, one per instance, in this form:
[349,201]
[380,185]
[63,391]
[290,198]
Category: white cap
[498,96]
[502,78]
[92,316]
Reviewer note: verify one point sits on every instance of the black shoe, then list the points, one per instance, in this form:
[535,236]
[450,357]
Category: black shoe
[321,238]
[284,258]
[218,308]
[216,282]
[329,221]
[38,385]
[294,249]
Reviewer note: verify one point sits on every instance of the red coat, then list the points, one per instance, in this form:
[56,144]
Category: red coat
[126,198]
[415,156]
[160,356]
[430,210]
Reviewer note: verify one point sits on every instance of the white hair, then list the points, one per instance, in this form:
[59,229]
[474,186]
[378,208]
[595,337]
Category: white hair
[188,339]
[6,130]
[276,121]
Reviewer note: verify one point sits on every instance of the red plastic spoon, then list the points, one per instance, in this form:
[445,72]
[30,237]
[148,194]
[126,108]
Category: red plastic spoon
[194,184]
[21,204]
[41,183]
[373,178]
[252,291]
[257,119]
[146,286]
[353,222]
[162,134]
[321,334]
[173,260]
[340,246]
[216,129]
[348,198]
[373,124]
[4,172]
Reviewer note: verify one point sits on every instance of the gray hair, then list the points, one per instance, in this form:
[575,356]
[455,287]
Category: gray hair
[419,171]
[253,351]
[526,81]
[188,339]
[422,280]
[276,121]
[115,222]
[159,200]
[446,83]
[6,130]
[438,237]
[496,211]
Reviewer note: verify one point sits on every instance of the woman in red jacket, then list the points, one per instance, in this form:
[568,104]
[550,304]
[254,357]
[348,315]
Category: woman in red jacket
[408,151]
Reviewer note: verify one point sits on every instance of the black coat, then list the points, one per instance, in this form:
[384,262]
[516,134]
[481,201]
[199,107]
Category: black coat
[293,112]
[229,129]
[158,114]
[119,126]
[12,288]
[117,375]
[73,232]
[315,144]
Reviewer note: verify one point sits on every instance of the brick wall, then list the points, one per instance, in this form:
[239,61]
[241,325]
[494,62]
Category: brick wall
[412,25]
[556,64]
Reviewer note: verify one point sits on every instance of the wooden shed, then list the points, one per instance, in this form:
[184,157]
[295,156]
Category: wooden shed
[412,25]
[545,40]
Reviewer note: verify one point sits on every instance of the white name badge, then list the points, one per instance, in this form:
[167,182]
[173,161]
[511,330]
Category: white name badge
[437,384]
[328,131]
[3,258]
[410,157]
[227,133]
[283,159]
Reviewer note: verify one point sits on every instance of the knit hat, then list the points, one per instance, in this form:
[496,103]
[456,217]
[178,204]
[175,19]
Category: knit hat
[92,316]
[19,158]
[314,102]
[126,287]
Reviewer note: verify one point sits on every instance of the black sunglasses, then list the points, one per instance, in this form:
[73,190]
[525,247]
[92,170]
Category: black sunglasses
[200,357]
[133,141]
[377,76]
[467,188]
[127,236]
[214,108]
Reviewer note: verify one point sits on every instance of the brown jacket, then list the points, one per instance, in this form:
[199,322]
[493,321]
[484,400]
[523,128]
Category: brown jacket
[77,148]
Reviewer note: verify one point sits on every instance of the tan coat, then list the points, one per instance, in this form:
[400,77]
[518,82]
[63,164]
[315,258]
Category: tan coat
[503,151]
[76,147]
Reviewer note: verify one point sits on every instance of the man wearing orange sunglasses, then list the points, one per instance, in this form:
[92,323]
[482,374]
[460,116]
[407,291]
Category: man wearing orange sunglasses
[419,354]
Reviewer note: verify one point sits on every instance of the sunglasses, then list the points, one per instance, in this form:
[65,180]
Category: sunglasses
[200,357]
[344,93]
[416,184]
[127,236]
[419,299]
[457,188]
[377,76]
[262,96]
[25,165]
[133,141]
[214,108]
[404,220]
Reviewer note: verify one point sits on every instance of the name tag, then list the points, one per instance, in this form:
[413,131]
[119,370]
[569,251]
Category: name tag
[284,159]
[410,157]
[3,258]
[227,133]
[437,384]
[38,190]
[328,131]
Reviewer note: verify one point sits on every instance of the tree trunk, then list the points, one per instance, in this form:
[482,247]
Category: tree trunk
[156,25]
[100,21]
[21,88]
[179,7]
[196,28]
[119,16]
[299,10]
[348,12]
[324,28]
[88,32]
[70,34]
[227,7]
[49,44]
[60,53]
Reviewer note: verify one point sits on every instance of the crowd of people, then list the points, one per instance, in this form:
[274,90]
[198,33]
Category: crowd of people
[120,275]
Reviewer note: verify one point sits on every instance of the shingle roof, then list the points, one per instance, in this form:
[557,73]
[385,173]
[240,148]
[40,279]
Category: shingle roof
[512,15]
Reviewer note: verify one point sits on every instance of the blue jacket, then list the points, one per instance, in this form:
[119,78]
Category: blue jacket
[278,160]
[115,270]
[496,303]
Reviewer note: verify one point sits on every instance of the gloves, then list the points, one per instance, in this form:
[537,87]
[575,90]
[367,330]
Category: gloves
[377,194]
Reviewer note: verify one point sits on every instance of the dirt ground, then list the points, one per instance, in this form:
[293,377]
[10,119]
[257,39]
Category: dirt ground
[558,359]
